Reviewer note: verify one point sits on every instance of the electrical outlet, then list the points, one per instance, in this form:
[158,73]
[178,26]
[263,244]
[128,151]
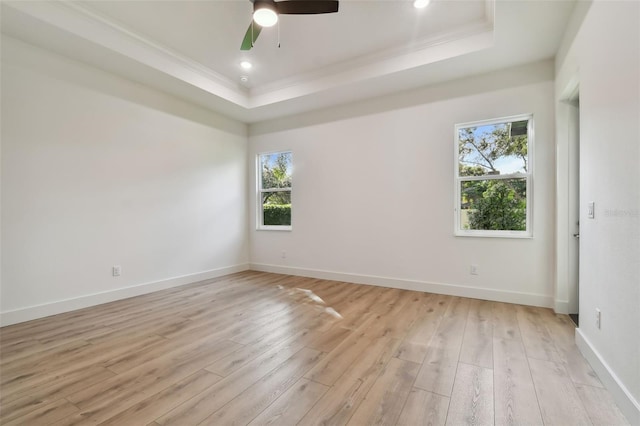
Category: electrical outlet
[598,318]
[117,270]
[473,270]
[284,254]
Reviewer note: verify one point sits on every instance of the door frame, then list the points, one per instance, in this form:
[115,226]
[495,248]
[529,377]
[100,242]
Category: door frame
[566,299]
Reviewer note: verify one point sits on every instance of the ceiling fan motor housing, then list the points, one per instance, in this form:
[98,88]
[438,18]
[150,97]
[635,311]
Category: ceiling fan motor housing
[264,4]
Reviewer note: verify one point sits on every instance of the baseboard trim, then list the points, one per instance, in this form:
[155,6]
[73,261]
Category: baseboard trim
[561,306]
[448,289]
[621,395]
[67,305]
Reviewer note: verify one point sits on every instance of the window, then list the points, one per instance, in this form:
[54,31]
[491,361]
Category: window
[493,178]
[274,190]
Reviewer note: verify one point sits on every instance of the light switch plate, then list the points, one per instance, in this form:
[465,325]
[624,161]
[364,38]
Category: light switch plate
[591,210]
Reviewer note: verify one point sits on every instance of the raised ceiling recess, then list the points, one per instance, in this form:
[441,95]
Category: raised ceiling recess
[370,48]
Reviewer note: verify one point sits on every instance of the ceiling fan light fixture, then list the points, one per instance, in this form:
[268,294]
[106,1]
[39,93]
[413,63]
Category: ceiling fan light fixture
[419,4]
[264,14]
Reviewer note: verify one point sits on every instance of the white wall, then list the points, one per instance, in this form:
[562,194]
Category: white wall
[604,58]
[373,191]
[99,171]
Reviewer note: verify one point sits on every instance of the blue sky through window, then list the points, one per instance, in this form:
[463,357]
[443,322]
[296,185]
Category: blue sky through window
[505,164]
[270,160]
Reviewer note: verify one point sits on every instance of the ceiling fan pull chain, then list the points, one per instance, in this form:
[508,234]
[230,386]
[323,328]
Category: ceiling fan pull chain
[278,34]
[252,33]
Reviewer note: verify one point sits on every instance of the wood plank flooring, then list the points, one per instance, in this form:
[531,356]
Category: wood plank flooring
[266,349]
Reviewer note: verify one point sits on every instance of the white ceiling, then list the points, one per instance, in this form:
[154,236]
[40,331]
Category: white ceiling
[369,48]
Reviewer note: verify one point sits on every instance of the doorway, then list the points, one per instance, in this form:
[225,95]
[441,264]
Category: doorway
[574,205]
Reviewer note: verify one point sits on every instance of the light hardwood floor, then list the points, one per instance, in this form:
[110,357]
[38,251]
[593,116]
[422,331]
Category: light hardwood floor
[258,348]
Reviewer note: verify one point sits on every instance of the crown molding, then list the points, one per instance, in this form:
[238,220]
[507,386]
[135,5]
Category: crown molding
[473,37]
[106,32]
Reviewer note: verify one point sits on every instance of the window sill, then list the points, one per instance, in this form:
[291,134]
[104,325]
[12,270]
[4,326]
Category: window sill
[273,228]
[494,234]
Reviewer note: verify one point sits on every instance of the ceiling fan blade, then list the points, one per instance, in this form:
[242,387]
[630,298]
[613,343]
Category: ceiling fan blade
[251,36]
[306,7]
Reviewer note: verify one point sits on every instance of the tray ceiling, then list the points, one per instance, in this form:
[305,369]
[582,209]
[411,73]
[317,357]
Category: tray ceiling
[369,48]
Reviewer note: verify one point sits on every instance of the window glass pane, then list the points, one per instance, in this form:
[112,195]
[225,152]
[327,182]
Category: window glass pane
[494,149]
[275,170]
[276,208]
[498,204]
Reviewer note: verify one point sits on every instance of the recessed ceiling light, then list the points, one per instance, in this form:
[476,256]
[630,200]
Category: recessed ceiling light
[244,78]
[246,65]
[419,4]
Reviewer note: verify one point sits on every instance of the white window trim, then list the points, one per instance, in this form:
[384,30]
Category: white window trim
[528,233]
[259,190]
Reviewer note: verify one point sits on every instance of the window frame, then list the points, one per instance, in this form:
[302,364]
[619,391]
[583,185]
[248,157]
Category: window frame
[260,226]
[487,233]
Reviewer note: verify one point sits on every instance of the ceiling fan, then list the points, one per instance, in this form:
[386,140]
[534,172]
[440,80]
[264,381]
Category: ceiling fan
[265,14]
